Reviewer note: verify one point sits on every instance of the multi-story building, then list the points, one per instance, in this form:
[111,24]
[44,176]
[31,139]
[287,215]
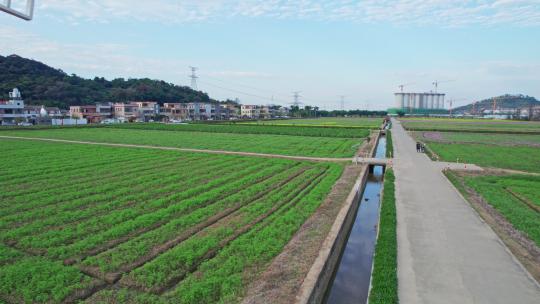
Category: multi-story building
[92,113]
[12,110]
[126,111]
[229,111]
[175,111]
[146,110]
[250,111]
[203,111]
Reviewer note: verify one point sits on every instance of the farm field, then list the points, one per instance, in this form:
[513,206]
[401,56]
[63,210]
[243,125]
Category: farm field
[252,129]
[96,223]
[516,197]
[359,122]
[515,152]
[470,125]
[260,143]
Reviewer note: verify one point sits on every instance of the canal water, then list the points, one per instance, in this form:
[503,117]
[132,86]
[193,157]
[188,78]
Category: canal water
[351,280]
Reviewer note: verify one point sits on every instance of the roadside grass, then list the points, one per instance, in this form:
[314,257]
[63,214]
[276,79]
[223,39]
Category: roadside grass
[389,144]
[258,143]
[517,210]
[522,158]
[384,281]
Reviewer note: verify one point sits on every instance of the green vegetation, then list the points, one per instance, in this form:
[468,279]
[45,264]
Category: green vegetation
[504,101]
[481,138]
[261,143]
[252,129]
[359,122]
[471,125]
[516,197]
[389,144]
[42,84]
[516,158]
[384,277]
[185,227]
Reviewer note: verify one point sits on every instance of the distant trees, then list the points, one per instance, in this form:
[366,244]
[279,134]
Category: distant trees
[42,84]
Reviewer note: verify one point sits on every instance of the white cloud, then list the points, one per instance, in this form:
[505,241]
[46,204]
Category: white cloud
[448,13]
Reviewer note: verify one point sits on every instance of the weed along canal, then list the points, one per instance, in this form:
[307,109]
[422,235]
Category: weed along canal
[351,280]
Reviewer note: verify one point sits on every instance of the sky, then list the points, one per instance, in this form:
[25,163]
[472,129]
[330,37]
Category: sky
[261,51]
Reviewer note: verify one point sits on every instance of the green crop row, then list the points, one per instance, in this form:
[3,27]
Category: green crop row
[94,232]
[93,191]
[175,263]
[105,196]
[516,158]
[384,282]
[136,248]
[518,213]
[37,280]
[225,277]
[258,143]
[314,131]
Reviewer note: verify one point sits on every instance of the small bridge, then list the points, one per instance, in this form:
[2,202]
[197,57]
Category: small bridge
[373,161]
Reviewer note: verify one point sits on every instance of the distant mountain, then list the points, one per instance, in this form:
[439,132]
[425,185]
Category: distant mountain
[503,102]
[42,84]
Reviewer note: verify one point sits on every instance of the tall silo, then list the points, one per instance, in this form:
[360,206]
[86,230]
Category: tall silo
[400,100]
[442,101]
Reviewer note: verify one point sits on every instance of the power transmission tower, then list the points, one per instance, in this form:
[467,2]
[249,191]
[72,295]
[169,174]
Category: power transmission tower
[193,77]
[342,102]
[296,96]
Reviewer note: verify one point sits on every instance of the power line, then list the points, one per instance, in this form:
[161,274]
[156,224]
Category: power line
[241,92]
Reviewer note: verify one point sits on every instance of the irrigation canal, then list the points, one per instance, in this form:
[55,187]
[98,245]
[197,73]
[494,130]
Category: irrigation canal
[351,280]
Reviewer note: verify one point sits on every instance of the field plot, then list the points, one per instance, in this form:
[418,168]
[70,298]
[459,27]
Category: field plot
[108,224]
[516,197]
[507,151]
[252,129]
[358,122]
[261,143]
[471,125]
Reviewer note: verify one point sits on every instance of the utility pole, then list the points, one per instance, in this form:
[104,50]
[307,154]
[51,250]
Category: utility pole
[494,106]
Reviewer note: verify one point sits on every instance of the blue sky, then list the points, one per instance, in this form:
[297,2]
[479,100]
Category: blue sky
[256,49]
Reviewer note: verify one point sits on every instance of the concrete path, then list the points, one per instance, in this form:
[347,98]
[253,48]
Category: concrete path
[446,253]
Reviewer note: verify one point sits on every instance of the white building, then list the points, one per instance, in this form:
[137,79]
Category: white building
[250,111]
[12,110]
[429,101]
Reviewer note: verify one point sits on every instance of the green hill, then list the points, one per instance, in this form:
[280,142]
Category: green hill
[503,102]
[42,84]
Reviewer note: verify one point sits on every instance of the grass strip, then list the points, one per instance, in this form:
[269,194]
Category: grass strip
[384,282]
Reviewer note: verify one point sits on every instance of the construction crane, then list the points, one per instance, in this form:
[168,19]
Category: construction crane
[494,106]
[437,82]
[404,85]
